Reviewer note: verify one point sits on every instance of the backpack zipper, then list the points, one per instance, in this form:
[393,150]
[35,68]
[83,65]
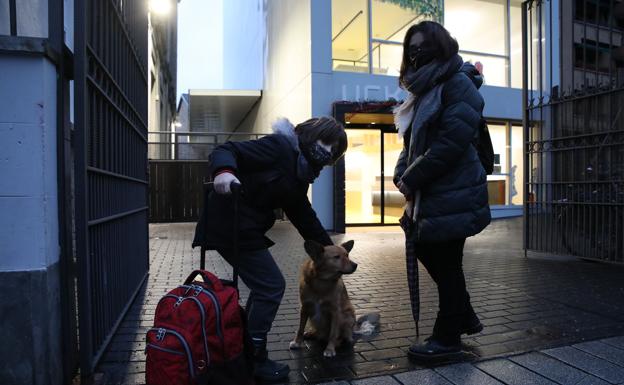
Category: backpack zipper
[215,302]
[189,356]
[202,310]
[163,349]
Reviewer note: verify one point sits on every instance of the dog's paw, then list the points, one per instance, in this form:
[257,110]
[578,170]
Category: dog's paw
[329,353]
[295,345]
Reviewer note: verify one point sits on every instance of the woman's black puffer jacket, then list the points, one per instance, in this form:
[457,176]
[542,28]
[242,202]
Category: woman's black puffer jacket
[449,174]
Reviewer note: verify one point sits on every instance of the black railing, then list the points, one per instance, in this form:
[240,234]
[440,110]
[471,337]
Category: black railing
[176,145]
[574,128]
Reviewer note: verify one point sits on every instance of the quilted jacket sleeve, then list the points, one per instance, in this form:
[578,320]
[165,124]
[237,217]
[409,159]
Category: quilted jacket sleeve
[303,217]
[457,126]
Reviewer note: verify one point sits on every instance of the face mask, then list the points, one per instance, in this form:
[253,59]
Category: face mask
[419,56]
[318,154]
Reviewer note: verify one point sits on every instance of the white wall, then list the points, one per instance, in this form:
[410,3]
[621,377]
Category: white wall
[287,85]
[243,44]
[28,186]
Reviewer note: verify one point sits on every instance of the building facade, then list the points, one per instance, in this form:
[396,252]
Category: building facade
[162,78]
[342,58]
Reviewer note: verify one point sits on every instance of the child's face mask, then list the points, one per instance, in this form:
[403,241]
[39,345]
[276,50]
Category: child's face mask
[319,153]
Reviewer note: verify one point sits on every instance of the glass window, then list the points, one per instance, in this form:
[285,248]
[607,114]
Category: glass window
[5,19]
[516,174]
[494,69]
[387,59]
[391,21]
[478,25]
[32,18]
[498,184]
[350,35]
[515,44]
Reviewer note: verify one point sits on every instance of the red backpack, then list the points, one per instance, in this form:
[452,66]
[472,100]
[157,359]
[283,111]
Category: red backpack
[199,336]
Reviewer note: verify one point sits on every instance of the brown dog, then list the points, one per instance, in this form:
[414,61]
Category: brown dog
[324,299]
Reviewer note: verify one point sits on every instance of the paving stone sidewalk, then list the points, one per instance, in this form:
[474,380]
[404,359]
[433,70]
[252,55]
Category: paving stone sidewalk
[596,363]
[527,304]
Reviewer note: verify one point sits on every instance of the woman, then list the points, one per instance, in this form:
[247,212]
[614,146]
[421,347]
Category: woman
[441,176]
[274,172]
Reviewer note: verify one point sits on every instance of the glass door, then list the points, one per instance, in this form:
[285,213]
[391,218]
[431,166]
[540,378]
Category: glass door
[362,176]
[370,195]
[394,201]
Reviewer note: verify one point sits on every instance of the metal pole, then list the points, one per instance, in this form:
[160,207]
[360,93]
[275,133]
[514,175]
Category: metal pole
[525,125]
[81,9]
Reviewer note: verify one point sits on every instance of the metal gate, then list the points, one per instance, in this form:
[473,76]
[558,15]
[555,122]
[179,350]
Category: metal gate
[110,166]
[574,127]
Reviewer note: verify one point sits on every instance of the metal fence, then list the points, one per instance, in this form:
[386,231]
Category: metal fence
[166,145]
[176,190]
[110,166]
[574,128]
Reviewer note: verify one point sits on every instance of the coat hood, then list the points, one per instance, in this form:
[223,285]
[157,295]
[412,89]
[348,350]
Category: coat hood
[283,126]
[473,74]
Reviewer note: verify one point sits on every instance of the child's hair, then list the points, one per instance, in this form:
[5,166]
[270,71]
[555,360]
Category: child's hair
[328,130]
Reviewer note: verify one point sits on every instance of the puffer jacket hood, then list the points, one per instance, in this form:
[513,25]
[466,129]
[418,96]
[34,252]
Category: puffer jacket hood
[473,74]
[283,126]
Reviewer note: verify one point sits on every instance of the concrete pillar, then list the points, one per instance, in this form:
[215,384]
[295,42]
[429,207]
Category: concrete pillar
[30,331]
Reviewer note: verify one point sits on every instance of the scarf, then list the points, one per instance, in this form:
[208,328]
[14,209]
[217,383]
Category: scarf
[306,172]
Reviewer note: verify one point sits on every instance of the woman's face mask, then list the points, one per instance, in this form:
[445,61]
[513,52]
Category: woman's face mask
[419,55]
[420,52]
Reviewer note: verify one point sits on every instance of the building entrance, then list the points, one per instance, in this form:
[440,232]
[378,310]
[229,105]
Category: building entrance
[370,197]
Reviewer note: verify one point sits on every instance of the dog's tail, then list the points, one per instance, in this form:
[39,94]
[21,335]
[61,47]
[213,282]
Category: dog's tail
[367,324]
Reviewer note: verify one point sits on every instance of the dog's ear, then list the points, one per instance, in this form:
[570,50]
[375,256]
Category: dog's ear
[313,248]
[348,245]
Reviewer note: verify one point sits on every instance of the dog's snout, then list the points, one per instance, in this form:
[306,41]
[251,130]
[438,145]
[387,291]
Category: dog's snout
[354,266]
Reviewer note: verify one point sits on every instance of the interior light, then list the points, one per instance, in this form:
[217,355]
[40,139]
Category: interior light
[160,7]
[348,122]
[372,122]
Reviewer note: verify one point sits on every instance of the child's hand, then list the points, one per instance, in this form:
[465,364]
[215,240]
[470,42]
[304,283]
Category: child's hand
[223,181]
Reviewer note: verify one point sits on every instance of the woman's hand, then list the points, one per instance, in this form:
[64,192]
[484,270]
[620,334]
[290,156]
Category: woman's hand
[404,190]
[223,181]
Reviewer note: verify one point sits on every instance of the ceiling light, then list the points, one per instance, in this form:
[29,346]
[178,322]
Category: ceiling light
[160,7]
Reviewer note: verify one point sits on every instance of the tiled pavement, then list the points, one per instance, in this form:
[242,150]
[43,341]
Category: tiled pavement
[527,304]
[596,363]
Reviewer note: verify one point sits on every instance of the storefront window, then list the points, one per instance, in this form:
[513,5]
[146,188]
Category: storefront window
[516,173]
[387,59]
[391,22]
[493,69]
[515,14]
[478,25]
[498,183]
[487,32]
[350,35]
